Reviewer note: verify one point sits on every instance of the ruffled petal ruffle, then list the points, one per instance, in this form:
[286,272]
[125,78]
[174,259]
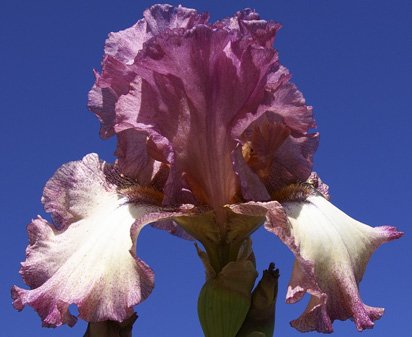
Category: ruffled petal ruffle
[194,89]
[332,251]
[89,260]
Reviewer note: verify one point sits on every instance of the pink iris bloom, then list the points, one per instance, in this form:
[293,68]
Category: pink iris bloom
[204,115]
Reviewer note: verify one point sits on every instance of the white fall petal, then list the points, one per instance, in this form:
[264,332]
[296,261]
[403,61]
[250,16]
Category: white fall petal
[332,251]
[90,262]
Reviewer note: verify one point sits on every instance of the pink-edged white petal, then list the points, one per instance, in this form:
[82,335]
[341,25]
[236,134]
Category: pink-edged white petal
[332,251]
[90,261]
[89,264]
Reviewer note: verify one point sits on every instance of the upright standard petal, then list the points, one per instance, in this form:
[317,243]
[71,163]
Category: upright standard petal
[195,89]
[89,260]
[332,251]
[194,106]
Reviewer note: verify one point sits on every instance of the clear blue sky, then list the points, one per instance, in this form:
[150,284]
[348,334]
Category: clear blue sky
[351,59]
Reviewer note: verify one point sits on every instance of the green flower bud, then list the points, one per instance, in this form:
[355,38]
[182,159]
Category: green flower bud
[260,320]
[224,301]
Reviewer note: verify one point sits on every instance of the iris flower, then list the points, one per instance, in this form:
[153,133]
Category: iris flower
[207,123]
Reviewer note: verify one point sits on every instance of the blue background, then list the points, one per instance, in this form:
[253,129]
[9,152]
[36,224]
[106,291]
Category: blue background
[352,60]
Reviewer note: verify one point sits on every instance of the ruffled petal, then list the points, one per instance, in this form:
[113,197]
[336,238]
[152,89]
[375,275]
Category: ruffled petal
[283,99]
[109,86]
[248,23]
[90,260]
[124,45]
[121,49]
[194,88]
[279,145]
[332,251]
[276,155]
